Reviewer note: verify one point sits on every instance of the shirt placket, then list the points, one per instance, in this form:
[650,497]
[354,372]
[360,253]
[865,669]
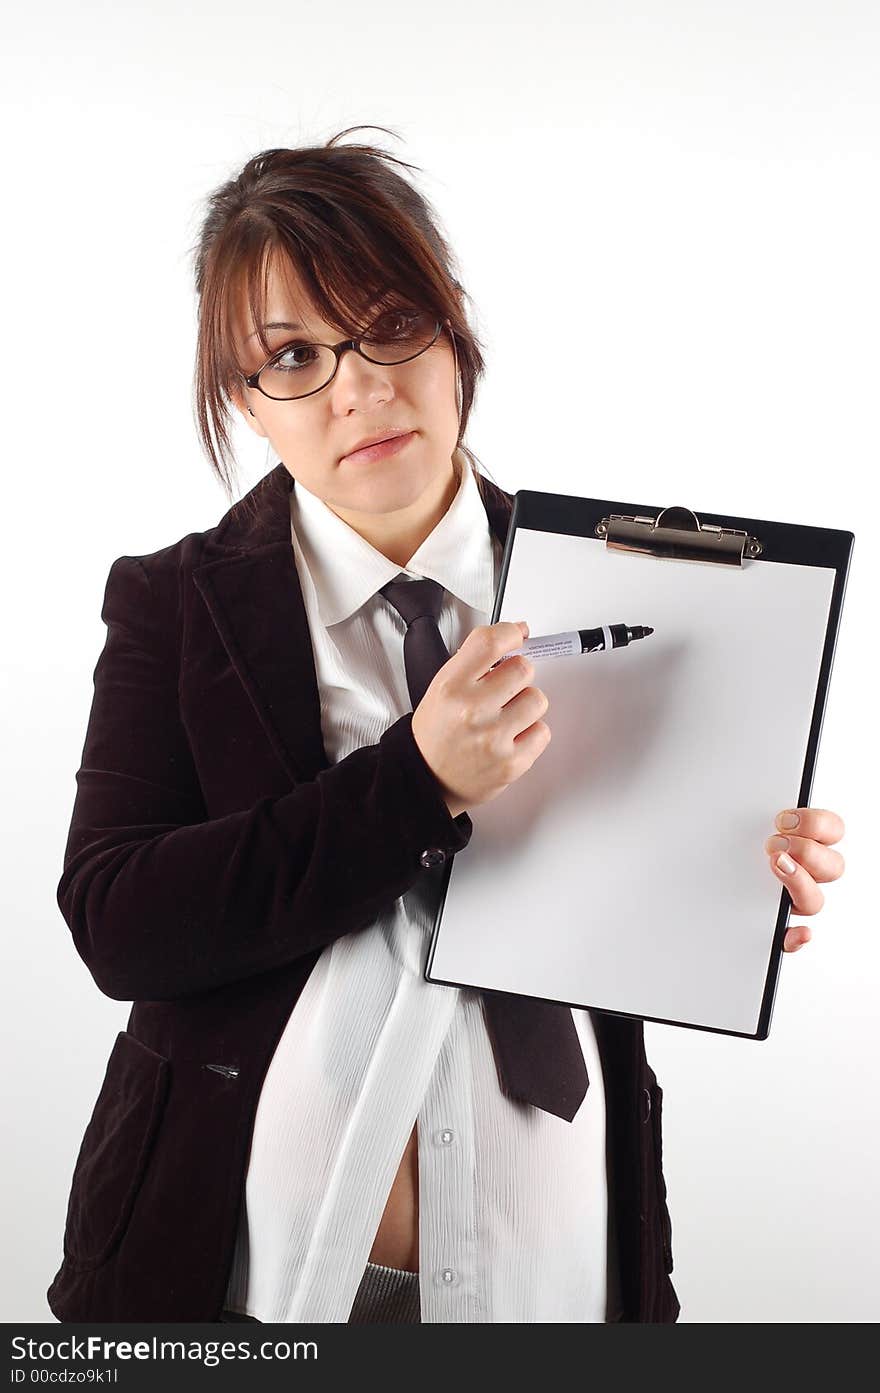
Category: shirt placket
[449,1274]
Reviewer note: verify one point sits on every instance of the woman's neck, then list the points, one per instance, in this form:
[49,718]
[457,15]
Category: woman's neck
[399,535]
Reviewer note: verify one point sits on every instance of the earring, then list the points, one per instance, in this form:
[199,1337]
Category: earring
[250,410]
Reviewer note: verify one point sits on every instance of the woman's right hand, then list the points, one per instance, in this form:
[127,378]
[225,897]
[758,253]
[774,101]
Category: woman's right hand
[480,730]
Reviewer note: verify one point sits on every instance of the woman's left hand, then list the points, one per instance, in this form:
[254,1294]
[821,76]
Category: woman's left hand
[800,855]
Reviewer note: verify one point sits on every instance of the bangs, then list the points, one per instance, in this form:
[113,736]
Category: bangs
[347,290]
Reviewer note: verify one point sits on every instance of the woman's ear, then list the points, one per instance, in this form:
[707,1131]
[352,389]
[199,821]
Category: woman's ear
[241,405]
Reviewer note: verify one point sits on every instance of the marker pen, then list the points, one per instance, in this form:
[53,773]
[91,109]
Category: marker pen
[579,641]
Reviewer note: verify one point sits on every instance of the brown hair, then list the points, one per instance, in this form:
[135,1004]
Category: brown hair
[353,230]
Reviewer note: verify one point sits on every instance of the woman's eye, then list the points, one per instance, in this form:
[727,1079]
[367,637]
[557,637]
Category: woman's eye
[289,361]
[393,324]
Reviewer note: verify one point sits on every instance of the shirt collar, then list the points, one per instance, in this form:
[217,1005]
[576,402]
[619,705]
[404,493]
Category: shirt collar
[347,570]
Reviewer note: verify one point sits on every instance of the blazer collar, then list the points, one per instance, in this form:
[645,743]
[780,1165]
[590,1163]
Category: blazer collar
[251,588]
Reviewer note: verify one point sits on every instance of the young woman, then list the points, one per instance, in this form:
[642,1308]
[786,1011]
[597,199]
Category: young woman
[293,712]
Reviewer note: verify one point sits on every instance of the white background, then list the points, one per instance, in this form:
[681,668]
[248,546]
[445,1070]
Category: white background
[667,216]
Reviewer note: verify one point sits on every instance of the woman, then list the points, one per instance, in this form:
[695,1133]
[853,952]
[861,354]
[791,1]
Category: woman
[296,1125]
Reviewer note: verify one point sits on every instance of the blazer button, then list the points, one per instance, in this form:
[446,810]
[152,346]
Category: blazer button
[647,1105]
[432,856]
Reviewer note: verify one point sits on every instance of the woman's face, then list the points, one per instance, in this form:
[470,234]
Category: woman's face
[313,435]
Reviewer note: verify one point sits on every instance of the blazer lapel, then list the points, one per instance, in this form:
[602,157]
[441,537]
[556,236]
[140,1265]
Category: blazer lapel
[251,588]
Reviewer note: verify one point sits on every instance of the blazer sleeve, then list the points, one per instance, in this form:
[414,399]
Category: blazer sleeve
[163,901]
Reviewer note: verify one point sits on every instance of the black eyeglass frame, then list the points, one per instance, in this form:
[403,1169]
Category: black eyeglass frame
[338,349]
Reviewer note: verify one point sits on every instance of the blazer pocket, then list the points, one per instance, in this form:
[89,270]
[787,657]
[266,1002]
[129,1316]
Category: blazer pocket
[114,1151]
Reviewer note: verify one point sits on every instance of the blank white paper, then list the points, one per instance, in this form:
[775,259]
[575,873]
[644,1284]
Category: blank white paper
[626,869]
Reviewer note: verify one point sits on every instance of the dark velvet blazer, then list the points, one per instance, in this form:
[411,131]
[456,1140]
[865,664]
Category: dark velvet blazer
[213,853]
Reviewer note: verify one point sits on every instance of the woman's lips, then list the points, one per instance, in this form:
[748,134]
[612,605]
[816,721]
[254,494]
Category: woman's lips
[381,450]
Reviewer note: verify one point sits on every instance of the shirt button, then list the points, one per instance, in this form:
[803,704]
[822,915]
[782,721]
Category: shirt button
[448,1274]
[432,856]
[446,1136]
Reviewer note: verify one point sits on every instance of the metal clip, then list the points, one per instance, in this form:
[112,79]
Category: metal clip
[230,1071]
[676,533]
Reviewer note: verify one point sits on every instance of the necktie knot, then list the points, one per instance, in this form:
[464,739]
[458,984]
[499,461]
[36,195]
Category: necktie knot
[423,648]
[414,599]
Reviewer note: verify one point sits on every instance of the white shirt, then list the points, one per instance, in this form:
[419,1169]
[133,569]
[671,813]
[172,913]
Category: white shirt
[512,1200]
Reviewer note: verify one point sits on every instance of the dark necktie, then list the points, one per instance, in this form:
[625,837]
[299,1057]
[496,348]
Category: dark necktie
[537,1051]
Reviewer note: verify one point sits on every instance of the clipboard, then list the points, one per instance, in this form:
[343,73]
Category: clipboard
[625,871]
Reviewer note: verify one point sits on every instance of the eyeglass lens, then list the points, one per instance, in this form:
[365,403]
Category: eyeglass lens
[306,367]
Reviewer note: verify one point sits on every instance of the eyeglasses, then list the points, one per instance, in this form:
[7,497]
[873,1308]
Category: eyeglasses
[300,369]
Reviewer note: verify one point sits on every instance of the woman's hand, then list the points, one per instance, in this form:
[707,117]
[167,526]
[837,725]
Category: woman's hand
[479,725]
[800,855]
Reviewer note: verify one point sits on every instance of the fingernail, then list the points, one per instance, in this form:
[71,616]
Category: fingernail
[785,864]
[778,843]
[787,820]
